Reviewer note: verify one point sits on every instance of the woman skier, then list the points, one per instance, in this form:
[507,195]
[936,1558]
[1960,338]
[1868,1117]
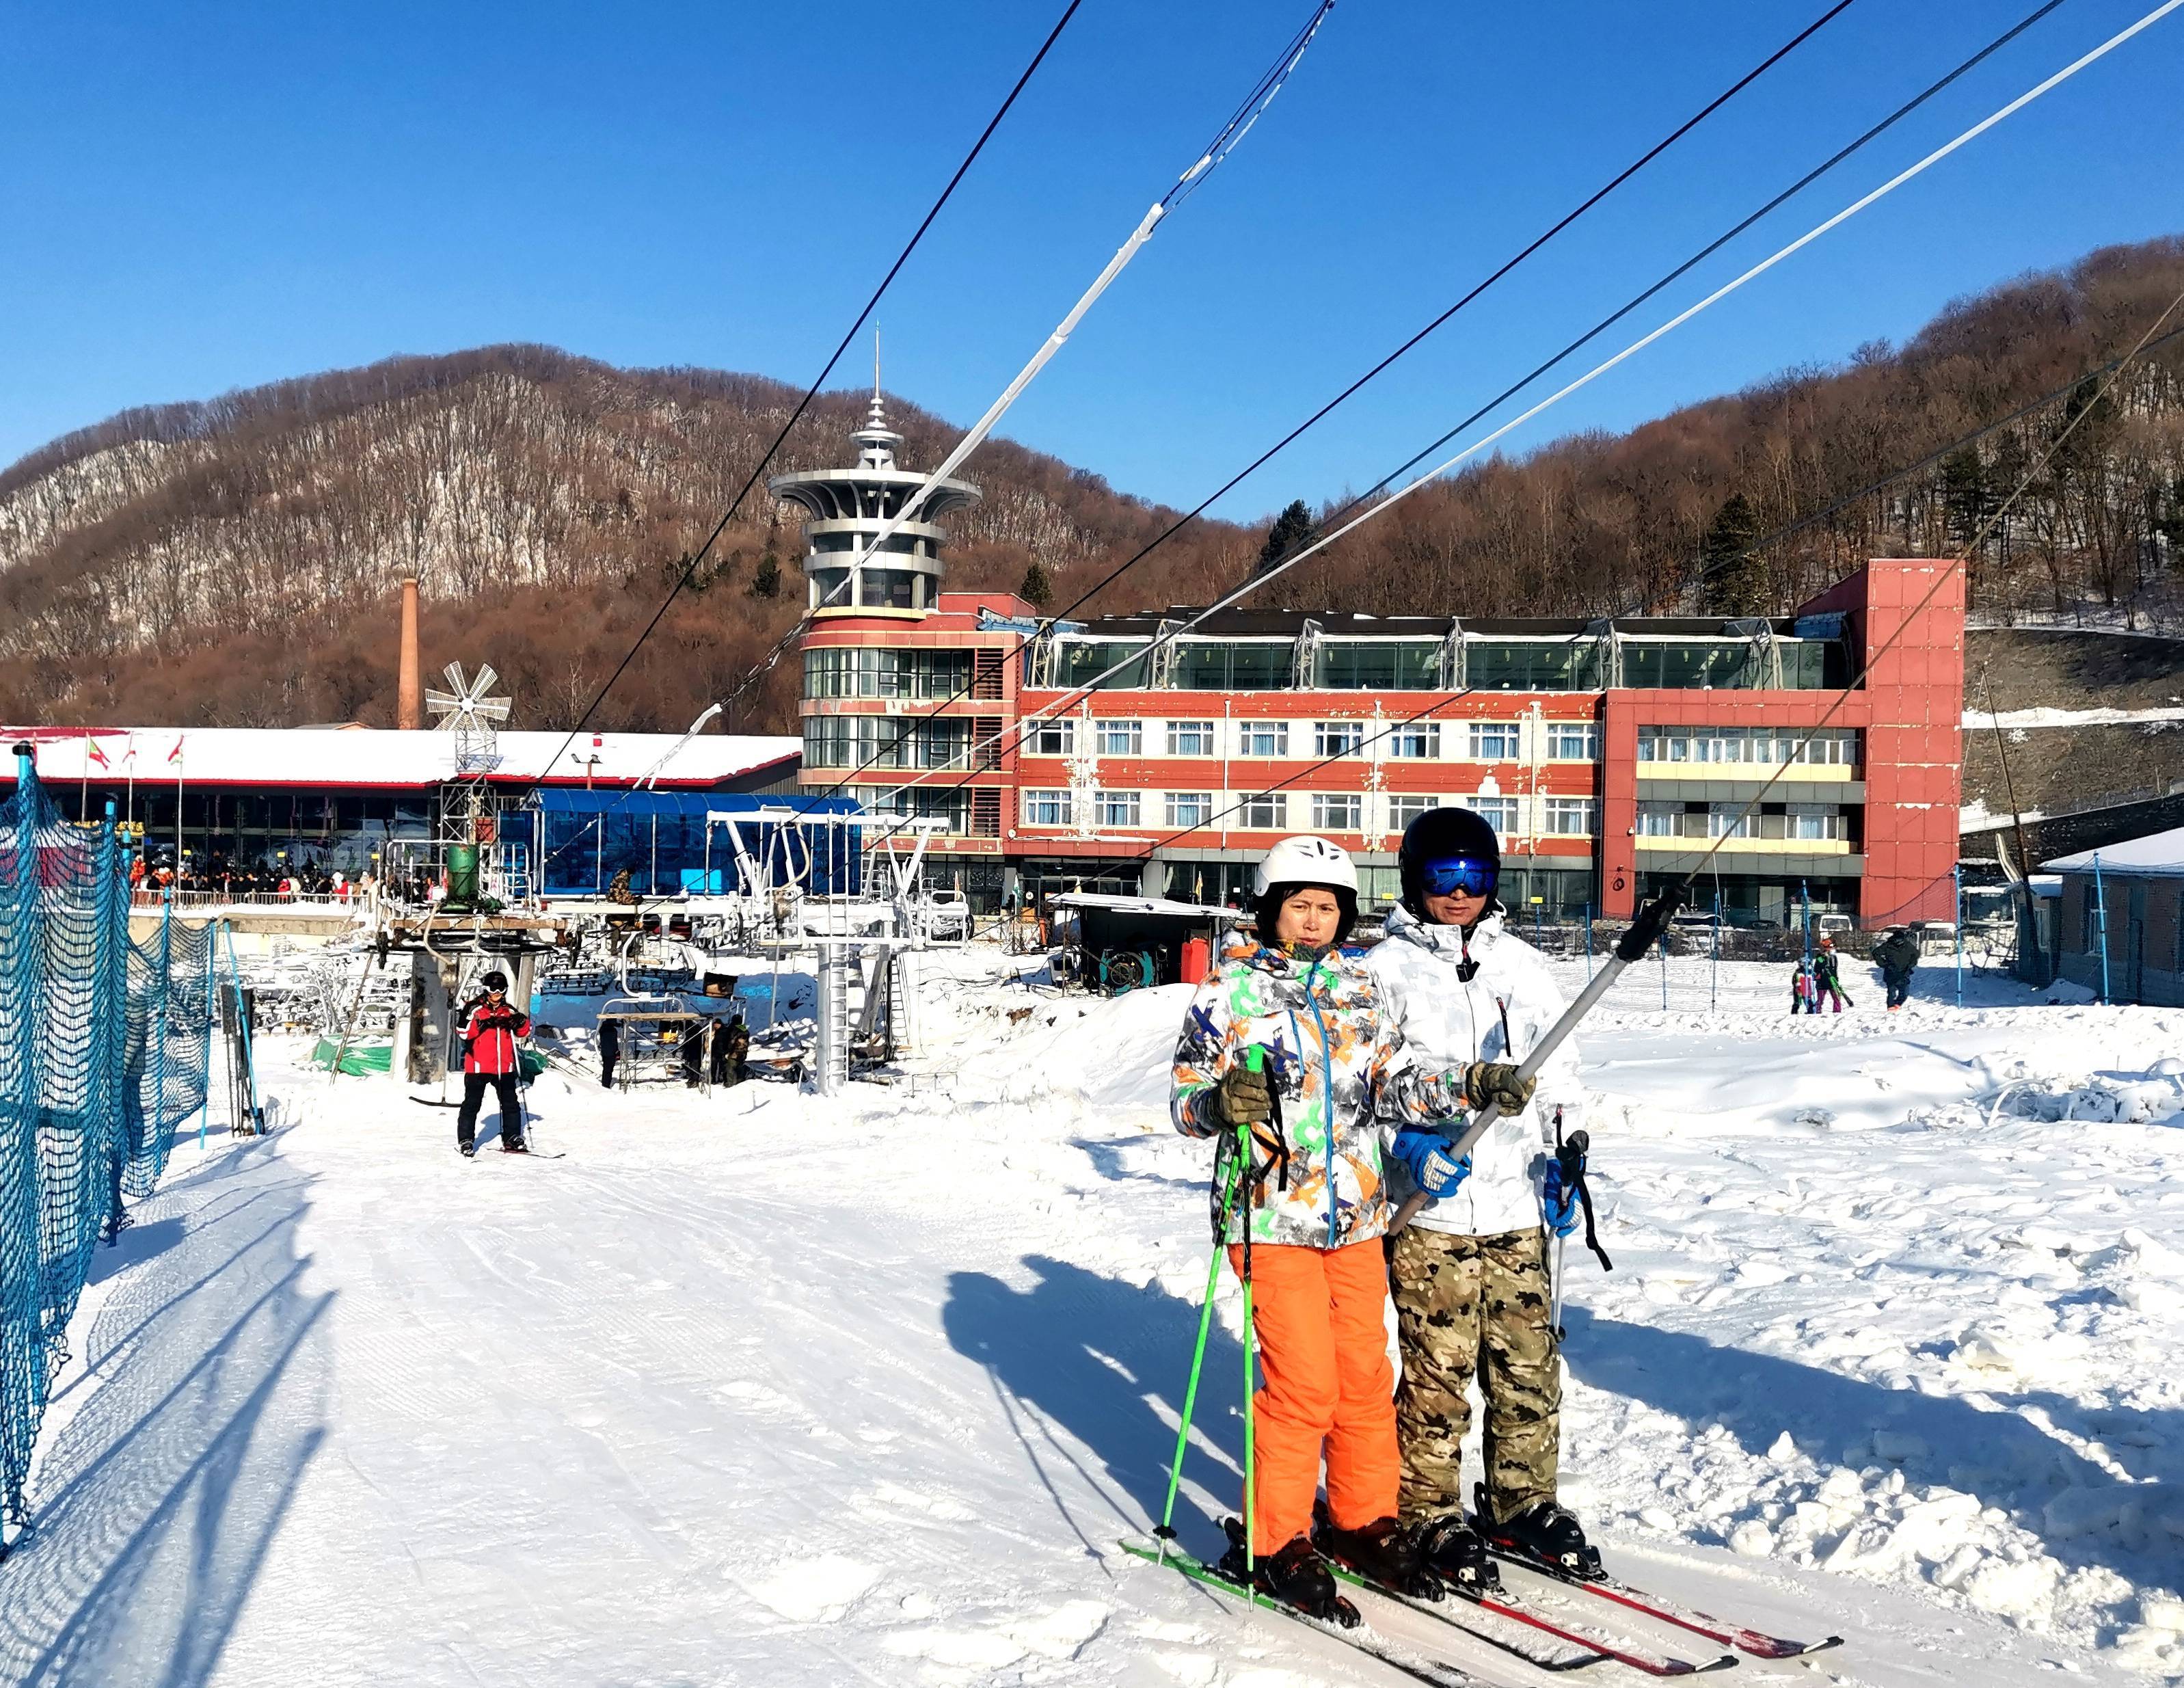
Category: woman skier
[1330,1066]
[1473,1301]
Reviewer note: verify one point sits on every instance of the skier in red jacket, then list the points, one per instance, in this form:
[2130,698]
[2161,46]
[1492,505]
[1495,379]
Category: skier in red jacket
[491,1026]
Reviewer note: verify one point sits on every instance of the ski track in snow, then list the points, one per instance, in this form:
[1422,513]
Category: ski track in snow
[761,1388]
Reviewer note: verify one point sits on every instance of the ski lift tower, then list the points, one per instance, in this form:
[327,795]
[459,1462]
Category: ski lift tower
[470,716]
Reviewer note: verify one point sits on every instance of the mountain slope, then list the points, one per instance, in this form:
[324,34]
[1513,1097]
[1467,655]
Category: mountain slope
[235,562]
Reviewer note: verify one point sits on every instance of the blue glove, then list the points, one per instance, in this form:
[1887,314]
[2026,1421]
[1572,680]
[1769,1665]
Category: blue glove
[1560,1204]
[1425,1154]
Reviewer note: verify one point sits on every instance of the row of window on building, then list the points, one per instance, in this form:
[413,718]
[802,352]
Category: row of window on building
[1764,746]
[1321,811]
[1816,823]
[1476,741]
[1540,663]
[837,741]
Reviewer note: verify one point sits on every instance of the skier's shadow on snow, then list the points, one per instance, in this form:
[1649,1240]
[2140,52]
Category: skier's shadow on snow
[154,1504]
[2001,1457]
[1083,1353]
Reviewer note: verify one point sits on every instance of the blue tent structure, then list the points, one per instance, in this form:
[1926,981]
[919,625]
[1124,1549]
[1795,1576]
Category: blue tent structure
[674,843]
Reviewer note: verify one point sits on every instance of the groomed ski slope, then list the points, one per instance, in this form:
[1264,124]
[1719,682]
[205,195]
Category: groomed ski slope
[764,1388]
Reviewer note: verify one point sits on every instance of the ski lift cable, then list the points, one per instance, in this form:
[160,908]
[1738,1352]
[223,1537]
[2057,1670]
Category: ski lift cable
[1765,543]
[690,566]
[2113,370]
[1811,176]
[1943,576]
[1381,506]
[1224,143]
[1931,459]
[1327,408]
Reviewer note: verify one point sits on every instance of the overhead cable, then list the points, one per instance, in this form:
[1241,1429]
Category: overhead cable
[1320,542]
[1209,159]
[1258,103]
[690,566]
[2147,343]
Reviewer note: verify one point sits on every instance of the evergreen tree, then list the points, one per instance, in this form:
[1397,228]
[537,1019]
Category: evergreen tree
[1293,528]
[767,582]
[1966,497]
[2168,519]
[1037,589]
[1733,578]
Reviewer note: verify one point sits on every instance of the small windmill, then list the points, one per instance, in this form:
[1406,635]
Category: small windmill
[468,713]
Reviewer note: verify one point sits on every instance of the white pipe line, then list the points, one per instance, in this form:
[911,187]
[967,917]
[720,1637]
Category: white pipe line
[1637,346]
[1223,145]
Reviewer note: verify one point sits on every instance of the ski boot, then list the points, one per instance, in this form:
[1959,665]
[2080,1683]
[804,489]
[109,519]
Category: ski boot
[1381,1551]
[466,1149]
[1544,1534]
[1296,1576]
[1450,1549]
[514,1146]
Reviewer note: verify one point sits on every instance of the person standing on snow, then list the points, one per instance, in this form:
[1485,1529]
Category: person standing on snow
[731,1053]
[1827,975]
[1315,1209]
[1897,956]
[1804,987]
[491,1026]
[1472,1300]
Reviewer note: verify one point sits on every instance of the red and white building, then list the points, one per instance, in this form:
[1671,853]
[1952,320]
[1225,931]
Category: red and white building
[1120,754]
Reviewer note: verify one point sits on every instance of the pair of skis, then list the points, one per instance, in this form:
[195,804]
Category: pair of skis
[1582,1645]
[1753,1643]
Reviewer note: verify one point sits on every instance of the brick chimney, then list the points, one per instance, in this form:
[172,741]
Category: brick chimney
[409,691]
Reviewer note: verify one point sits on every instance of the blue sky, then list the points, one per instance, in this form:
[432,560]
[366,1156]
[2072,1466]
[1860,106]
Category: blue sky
[201,197]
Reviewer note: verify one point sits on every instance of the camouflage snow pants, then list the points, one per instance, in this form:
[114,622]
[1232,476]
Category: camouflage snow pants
[1465,1308]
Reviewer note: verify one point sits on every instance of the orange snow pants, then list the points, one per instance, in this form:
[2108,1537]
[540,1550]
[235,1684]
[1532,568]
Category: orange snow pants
[1321,1323]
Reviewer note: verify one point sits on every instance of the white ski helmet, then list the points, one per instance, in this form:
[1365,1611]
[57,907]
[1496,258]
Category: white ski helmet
[1307,859]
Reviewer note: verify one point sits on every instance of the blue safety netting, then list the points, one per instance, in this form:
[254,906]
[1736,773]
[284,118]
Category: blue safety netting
[671,841]
[103,1048]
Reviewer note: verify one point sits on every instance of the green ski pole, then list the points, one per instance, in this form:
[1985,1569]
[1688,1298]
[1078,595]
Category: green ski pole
[1255,1059]
[1166,1533]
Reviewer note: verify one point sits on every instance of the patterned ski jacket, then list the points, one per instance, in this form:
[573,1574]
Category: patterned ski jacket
[1335,1061]
[1499,1014]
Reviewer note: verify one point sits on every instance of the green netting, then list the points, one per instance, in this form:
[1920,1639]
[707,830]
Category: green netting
[357,1060]
[103,1048]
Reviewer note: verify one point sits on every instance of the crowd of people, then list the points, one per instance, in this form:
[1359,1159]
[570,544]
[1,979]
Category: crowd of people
[262,882]
[277,881]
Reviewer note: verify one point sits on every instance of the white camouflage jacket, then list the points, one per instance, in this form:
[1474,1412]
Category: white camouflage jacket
[1445,1021]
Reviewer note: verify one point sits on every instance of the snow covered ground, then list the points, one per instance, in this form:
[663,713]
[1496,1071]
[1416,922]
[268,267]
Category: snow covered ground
[761,1388]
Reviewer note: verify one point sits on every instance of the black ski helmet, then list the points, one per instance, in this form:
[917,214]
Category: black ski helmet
[1441,835]
[495,980]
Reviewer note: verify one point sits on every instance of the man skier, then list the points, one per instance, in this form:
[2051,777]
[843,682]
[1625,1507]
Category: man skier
[1897,956]
[1472,1300]
[1330,1067]
[491,1026]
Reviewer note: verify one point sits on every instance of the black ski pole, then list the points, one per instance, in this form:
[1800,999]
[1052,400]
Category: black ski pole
[1630,947]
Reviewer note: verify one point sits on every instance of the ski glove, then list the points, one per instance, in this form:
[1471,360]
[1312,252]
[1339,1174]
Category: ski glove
[1496,1081]
[1244,1098]
[1424,1154]
[1560,1203]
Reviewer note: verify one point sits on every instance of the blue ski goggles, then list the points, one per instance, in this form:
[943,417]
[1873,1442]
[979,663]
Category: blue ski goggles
[1465,874]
